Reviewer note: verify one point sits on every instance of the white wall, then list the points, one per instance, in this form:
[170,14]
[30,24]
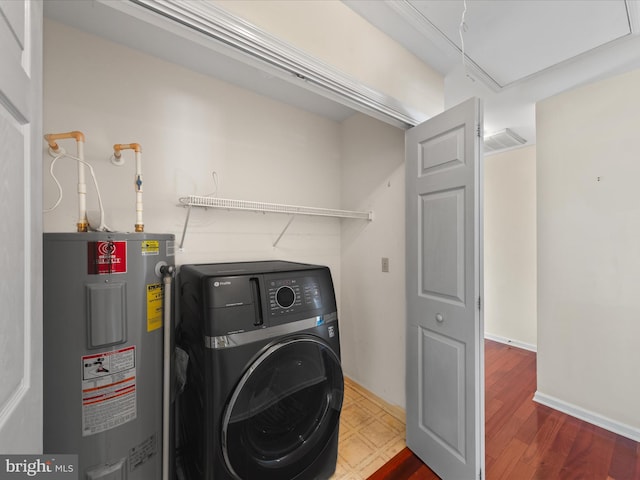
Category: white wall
[373,302]
[188,126]
[510,247]
[589,250]
[331,32]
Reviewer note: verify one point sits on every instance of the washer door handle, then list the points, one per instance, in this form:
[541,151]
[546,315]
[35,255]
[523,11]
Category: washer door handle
[257,303]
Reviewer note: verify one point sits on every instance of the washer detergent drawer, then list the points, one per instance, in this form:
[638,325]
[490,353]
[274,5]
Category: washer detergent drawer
[233,305]
[284,410]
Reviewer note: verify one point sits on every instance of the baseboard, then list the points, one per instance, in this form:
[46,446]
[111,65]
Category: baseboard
[508,341]
[394,410]
[588,416]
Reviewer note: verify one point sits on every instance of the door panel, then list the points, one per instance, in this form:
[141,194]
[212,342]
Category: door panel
[21,226]
[445,393]
[442,245]
[442,412]
[444,151]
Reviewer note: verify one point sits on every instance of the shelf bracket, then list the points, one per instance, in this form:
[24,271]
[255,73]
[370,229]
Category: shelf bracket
[275,244]
[184,230]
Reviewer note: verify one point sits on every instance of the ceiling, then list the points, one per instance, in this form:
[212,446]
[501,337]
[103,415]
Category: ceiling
[509,53]
[512,53]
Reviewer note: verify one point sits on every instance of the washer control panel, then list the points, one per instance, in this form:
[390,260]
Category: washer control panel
[291,295]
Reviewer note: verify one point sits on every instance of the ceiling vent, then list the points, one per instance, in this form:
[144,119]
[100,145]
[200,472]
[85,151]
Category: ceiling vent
[502,140]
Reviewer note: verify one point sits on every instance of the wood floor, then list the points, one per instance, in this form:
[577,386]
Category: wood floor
[525,440]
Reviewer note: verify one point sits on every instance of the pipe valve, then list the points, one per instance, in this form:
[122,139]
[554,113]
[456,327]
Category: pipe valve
[168,270]
[118,160]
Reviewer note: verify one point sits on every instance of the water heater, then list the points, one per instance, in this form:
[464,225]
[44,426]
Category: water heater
[103,351]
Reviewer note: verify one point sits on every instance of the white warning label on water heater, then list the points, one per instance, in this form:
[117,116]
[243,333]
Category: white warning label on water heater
[108,390]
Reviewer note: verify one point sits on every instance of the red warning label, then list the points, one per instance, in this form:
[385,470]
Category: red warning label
[107,257]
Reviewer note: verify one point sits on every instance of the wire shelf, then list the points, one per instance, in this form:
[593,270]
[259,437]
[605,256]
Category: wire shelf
[229,204]
[251,206]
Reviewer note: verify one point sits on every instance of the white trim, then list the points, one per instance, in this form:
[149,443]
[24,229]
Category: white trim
[276,56]
[513,343]
[633,12]
[588,416]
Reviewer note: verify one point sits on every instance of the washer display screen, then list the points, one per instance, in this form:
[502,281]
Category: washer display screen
[285,297]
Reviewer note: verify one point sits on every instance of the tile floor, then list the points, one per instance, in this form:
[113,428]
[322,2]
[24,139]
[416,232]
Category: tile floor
[371,433]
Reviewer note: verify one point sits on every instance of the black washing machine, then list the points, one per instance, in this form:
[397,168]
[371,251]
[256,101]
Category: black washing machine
[264,385]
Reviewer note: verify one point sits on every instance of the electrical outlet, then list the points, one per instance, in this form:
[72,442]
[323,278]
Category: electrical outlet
[385,264]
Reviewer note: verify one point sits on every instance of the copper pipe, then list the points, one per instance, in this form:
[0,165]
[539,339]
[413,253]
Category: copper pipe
[52,137]
[118,147]
[82,225]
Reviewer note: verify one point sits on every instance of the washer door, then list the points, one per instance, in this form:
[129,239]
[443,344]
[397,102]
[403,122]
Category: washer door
[284,410]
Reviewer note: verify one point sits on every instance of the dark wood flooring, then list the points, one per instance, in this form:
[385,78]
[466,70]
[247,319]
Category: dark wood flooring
[526,440]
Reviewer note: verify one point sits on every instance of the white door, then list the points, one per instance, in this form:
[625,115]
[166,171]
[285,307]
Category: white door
[445,366]
[21,226]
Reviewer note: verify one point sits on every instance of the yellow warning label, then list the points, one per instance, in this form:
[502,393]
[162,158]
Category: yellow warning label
[150,247]
[155,297]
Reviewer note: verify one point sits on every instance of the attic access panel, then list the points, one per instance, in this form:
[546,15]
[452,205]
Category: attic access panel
[510,41]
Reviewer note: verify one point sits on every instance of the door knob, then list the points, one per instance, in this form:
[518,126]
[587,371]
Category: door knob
[439,318]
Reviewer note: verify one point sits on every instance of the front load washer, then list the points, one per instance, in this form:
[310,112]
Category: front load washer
[264,385]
